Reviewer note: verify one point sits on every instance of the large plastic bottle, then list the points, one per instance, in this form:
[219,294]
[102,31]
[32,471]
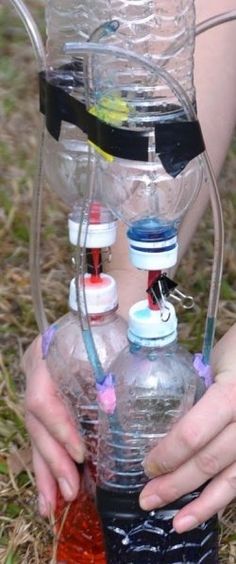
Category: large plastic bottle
[80,538]
[155,384]
[123,94]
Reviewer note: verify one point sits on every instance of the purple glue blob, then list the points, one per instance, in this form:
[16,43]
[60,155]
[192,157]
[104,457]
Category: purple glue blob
[203,370]
[106,395]
[47,339]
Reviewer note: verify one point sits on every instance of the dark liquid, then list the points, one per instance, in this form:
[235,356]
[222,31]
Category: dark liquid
[80,534]
[133,536]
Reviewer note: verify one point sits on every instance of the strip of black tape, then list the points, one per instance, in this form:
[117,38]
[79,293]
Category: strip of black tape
[177,143]
[57,105]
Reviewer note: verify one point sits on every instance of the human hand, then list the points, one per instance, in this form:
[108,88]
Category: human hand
[200,447]
[55,441]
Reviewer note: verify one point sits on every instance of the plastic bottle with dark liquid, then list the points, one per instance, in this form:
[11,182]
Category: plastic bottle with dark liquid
[155,384]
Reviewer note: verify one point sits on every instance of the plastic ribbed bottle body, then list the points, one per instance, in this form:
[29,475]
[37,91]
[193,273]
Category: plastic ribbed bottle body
[131,97]
[162,30]
[80,537]
[65,160]
[158,29]
[154,388]
[71,371]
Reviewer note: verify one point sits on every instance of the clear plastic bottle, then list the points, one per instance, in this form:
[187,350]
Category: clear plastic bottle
[155,384]
[81,538]
[123,94]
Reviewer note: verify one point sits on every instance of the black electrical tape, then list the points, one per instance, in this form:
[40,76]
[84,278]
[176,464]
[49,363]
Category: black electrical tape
[57,106]
[177,143]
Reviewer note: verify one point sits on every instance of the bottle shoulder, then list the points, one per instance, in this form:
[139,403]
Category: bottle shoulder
[68,345]
[170,367]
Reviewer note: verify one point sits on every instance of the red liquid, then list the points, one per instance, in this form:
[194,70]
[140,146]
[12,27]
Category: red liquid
[80,536]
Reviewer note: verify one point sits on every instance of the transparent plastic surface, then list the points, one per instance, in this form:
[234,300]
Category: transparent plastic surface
[71,371]
[98,214]
[79,529]
[137,191]
[80,535]
[154,388]
[160,30]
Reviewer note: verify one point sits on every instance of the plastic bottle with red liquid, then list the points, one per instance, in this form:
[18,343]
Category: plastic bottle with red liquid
[80,539]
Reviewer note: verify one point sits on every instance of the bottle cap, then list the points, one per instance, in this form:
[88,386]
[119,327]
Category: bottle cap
[149,327]
[101,296]
[152,246]
[102,227]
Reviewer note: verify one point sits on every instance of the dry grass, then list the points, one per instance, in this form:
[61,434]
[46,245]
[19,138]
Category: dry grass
[24,537]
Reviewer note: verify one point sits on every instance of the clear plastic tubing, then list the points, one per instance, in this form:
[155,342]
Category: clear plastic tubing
[32,30]
[35,231]
[215,21]
[38,47]
[35,37]
[214,194]
[80,273]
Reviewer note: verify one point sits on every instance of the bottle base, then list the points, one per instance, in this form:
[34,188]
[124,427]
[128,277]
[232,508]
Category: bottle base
[134,536]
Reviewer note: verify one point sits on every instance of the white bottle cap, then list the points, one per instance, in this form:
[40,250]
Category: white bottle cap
[99,235]
[101,297]
[152,327]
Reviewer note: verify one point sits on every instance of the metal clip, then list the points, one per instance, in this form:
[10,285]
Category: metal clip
[106,255]
[187,302]
[165,312]
[158,298]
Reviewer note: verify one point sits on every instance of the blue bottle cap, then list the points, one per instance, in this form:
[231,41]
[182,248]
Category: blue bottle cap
[152,244]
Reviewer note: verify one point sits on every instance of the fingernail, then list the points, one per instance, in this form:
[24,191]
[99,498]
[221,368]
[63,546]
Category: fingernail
[150,468]
[66,489]
[77,453]
[150,502]
[42,505]
[185,524]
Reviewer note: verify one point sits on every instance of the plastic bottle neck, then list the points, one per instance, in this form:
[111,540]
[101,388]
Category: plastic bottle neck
[100,318]
[152,350]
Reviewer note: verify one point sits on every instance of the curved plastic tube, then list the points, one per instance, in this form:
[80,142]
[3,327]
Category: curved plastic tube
[34,260]
[215,21]
[80,271]
[35,231]
[38,47]
[32,30]
[160,72]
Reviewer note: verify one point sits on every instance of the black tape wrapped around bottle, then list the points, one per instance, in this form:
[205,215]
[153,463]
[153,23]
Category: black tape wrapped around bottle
[134,536]
[177,142]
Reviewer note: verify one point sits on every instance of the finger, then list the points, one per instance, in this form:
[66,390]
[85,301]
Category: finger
[220,492]
[209,462]
[201,424]
[58,461]
[46,484]
[43,402]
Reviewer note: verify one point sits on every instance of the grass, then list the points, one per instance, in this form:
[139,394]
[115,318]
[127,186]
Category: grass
[24,537]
